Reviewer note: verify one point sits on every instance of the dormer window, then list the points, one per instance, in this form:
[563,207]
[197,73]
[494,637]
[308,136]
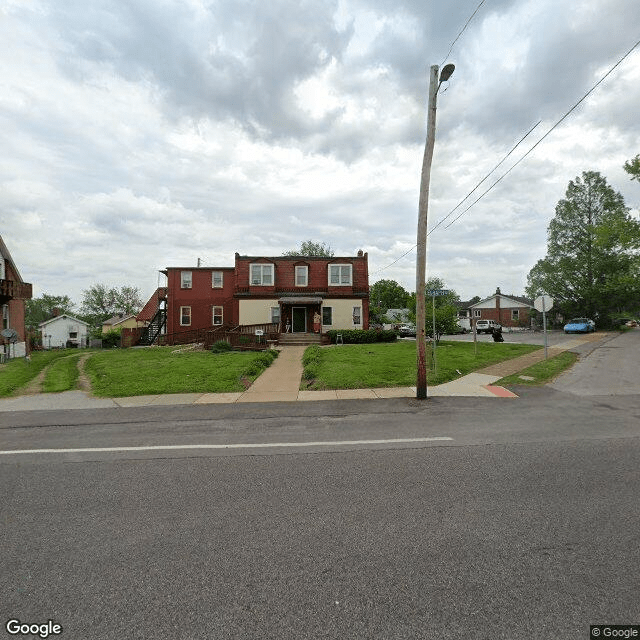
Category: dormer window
[340,275]
[262,275]
[302,276]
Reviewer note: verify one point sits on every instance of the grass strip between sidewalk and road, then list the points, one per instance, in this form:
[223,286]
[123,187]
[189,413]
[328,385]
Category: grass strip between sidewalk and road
[541,372]
[366,366]
[159,370]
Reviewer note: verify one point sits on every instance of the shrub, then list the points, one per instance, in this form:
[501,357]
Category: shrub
[111,338]
[360,336]
[311,361]
[260,362]
[222,346]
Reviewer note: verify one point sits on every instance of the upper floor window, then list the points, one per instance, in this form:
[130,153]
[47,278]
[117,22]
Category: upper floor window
[186,280]
[477,313]
[302,276]
[339,274]
[262,274]
[2,272]
[216,280]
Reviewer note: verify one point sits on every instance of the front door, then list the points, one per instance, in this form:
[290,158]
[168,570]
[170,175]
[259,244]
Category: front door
[299,319]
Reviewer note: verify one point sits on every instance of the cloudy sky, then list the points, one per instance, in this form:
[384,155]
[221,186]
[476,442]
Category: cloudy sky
[142,134]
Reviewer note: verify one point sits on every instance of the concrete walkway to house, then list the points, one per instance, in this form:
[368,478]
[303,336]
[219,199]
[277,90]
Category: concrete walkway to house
[281,383]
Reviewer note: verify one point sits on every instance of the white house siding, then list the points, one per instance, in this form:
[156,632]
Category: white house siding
[55,332]
[256,311]
[342,314]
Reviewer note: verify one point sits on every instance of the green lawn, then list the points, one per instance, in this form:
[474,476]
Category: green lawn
[134,372]
[366,366]
[18,372]
[62,374]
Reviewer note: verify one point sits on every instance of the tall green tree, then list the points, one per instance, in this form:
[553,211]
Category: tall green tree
[446,313]
[388,294]
[100,302]
[591,267]
[633,168]
[38,310]
[311,249]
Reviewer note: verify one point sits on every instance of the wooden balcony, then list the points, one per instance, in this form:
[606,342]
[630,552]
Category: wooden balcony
[12,290]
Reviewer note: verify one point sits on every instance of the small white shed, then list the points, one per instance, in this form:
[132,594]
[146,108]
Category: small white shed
[63,331]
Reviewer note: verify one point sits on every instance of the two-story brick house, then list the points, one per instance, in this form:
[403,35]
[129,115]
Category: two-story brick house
[508,311]
[291,291]
[13,292]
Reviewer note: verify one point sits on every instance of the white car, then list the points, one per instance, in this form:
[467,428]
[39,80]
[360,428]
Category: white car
[486,326]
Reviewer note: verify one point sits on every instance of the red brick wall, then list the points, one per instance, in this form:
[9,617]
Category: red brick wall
[503,316]
[318,270]
[16,318]
[201,297]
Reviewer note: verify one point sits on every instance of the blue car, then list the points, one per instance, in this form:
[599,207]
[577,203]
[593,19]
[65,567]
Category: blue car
[580,325]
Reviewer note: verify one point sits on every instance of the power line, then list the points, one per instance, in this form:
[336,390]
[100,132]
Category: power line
[466,24]
[466,197]
[504,175]
[584,97]
[488,174]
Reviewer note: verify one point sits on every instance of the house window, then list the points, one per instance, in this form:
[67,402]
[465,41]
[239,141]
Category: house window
[477,313]
[515,314]
[216,280]
[185,316]
[339,275]
[275,315]
[216,315]
[73,335]
[262,275]
[186,280]
[327,315]
[2,273]
[302,276]
[5,316]
[356,315]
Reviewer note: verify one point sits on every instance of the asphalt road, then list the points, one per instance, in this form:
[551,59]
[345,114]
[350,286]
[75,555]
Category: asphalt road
[523,523]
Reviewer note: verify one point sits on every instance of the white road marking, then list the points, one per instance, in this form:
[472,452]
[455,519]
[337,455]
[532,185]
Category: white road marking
[247,445]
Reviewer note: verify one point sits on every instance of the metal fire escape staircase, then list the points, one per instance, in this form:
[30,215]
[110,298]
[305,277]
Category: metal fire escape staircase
[156,327]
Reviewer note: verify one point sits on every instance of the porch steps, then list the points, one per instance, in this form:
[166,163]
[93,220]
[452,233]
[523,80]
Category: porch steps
[299,339]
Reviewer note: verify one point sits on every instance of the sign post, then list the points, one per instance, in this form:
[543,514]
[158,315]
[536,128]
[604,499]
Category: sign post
[543,304]
[433,294]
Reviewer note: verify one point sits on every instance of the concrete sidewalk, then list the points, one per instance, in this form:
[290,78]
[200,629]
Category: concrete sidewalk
[281,382]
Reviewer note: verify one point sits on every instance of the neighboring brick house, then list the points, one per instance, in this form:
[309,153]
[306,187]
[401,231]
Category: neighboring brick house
[509,311]
[13,292]
[287,290]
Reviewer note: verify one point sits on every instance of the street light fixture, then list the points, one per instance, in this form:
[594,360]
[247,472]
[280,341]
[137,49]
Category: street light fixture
[423,207]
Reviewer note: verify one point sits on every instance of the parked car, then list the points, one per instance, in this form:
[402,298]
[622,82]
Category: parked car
[487,326]
[580,325]
[406,330]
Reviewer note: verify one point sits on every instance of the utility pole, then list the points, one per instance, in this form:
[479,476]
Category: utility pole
[423,208]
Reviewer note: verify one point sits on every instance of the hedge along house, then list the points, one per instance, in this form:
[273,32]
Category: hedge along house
[299,294]
[13,292]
